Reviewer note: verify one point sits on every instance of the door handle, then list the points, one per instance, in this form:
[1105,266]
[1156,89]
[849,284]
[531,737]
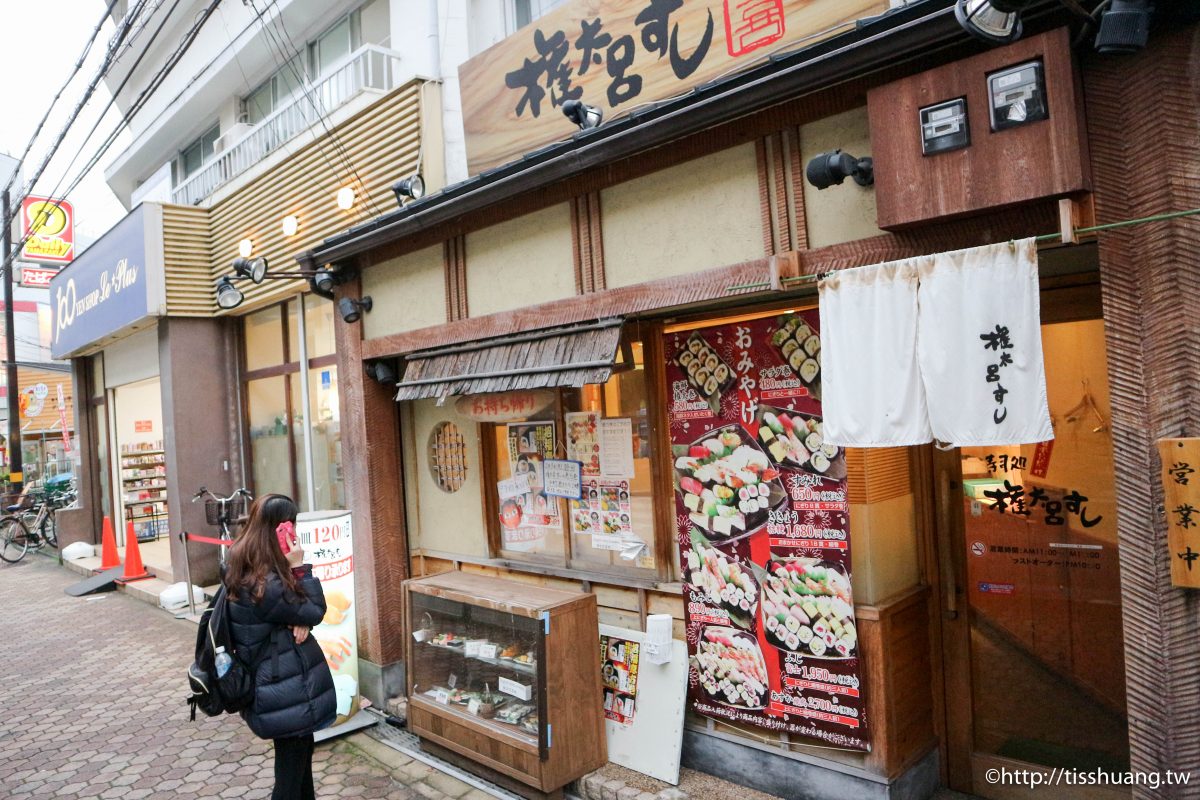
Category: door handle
[945,546]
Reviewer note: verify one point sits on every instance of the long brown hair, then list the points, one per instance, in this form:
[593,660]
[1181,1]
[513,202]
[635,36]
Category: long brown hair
[256,553]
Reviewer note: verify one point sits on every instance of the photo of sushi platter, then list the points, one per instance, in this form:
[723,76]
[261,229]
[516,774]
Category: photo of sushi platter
[705,371]
[807,608]
[730,668]
[727,483]
[726,581]
[800,347]
[794,439]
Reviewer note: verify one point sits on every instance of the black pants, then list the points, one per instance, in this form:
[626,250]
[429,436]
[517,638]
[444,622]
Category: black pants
[293,768]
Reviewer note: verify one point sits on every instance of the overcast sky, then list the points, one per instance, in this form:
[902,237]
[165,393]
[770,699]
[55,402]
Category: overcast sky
[39,44]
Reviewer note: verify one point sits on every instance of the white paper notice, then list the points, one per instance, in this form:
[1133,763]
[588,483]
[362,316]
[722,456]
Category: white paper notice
[518,690]
[514,486]
[616,448]
[562,478]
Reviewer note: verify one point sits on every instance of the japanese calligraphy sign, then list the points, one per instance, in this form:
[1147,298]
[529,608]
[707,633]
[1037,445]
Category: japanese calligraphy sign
[329,546]
[503,406]
[1181,491]
[619,54]
[763,526]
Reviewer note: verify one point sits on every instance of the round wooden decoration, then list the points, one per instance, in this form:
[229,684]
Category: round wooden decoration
[448,457]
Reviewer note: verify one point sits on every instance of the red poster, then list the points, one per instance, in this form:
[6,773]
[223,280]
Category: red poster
[764,531]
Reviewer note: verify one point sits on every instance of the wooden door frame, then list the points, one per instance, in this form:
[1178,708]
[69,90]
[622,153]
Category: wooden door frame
[938,478]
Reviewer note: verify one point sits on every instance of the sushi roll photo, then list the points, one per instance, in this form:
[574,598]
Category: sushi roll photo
[807,608]
[724,580]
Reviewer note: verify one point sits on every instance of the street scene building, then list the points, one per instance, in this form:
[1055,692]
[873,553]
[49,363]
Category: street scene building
[794,394]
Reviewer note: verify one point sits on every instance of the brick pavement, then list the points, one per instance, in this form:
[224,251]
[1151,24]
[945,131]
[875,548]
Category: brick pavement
[92,706]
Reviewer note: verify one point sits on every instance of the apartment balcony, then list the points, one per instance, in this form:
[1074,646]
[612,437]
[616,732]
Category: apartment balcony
[369,68]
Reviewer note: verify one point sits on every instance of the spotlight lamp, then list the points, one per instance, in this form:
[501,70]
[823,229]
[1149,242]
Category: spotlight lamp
[1124,27]
[995,21]
[834,167]
[352,310]
[228,295]
[324,279]
[410,188]
[382,372]
[583,115]
[253,268]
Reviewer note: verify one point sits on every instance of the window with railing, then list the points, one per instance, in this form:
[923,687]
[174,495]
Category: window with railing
[198,153]
[274,92]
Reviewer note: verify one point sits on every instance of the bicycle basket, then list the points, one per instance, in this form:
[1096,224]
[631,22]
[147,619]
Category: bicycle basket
[233,510]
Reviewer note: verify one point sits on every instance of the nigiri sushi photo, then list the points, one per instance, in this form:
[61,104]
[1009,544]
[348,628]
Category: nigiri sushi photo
[730,667]
[726,582]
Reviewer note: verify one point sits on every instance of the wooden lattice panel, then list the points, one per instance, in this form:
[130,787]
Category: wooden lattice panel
[448,457]
[877,474]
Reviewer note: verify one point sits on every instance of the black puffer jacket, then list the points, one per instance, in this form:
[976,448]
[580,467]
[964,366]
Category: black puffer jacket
[293,693]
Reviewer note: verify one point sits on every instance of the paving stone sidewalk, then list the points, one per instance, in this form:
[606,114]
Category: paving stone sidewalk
[92,706]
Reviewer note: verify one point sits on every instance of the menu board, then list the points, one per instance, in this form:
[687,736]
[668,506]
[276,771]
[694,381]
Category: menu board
[764,531]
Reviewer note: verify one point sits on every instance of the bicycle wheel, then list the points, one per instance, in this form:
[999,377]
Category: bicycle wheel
[14,539]
[49,530]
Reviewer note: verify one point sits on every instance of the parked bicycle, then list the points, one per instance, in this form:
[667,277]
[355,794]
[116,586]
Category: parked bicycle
[224,512]
[29,523]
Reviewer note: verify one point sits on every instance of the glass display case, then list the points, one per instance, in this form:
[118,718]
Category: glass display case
[507,675]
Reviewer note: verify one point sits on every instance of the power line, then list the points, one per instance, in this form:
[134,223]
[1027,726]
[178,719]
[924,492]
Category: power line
[87,48]
[118,39]
[137,105]
[310,93]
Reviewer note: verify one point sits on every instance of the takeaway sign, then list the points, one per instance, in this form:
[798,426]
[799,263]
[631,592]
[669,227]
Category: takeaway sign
[48,230]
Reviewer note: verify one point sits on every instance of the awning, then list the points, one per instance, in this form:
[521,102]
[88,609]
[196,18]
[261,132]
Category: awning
[554,357]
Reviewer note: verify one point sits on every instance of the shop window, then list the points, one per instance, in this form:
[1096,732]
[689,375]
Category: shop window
[448,457]
[279,409]
[264,338]
[612,527]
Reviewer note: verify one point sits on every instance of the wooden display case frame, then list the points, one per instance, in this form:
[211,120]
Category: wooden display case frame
[572,738]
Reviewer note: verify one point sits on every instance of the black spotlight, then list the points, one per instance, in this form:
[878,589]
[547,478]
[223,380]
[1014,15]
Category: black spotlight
[1124,27]
[996,21]
[352,310]
[324,279]
[382,372]
[253,268]
[228,295]
[829,168]
[582,114]
[411,188]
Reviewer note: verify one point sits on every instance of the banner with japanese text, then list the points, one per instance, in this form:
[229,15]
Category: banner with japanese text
[618,55]
[326,537]
[764,531]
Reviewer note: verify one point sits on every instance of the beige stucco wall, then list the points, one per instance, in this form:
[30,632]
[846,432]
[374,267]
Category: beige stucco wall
[687,218]
[409,293]
[883,548]
[842,213]
[444,522]
[521,262]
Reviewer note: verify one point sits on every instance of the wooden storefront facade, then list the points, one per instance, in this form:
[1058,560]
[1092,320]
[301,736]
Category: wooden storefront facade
[714,220]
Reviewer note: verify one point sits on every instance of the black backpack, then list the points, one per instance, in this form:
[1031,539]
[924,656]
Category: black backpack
[233,691]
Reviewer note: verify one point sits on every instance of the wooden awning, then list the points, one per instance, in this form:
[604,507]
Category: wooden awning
[572,355]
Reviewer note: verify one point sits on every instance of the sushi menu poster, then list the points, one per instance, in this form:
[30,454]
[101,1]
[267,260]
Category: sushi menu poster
[763,526]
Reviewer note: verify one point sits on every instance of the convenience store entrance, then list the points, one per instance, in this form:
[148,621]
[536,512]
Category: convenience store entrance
[138,460]
[1031,589]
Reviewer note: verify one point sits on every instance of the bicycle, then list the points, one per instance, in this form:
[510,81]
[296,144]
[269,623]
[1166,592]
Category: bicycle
[30,523]
[224,512]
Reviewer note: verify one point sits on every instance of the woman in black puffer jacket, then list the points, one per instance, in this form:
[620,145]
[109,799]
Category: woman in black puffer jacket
[275,602]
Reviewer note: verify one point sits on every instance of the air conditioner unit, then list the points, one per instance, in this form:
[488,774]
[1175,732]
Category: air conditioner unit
[230,136]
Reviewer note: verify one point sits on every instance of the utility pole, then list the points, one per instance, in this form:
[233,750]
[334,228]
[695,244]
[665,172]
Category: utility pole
[15,471]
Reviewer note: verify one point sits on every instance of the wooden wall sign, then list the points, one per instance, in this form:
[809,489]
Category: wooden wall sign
[1181,492]
[621,54]
[1046,158]
[503,406]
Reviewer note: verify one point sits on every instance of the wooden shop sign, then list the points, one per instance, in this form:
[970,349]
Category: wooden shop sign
[623,54]
[503,406]
[1181,494]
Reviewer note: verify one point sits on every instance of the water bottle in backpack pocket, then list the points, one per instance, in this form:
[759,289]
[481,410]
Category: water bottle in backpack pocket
[221,680]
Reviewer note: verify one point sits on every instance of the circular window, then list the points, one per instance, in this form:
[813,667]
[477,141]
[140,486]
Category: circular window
[448,457]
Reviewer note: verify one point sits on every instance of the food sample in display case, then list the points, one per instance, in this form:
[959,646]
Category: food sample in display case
[503,674]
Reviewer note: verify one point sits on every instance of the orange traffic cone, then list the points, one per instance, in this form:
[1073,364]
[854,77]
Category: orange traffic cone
[108,548]
[134,571]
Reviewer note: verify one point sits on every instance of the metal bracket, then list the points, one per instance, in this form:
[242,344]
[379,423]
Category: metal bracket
[545,615]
